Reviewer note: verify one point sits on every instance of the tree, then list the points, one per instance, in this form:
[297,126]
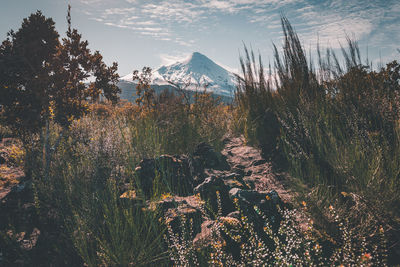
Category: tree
[26,74]
[43,79]
[144,91]
[73,65]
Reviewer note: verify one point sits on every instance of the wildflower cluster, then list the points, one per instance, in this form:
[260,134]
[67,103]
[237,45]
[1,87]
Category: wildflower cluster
[239,242]
[355,250]
[182,251]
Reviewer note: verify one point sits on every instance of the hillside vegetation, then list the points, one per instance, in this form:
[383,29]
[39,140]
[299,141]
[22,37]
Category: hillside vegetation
[113,183]
[335,127]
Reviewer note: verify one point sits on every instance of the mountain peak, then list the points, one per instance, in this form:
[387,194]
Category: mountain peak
[198,70]
[196,58]
[197,55]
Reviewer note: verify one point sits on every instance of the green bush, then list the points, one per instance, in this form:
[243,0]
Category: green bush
[289,245]
[94,164]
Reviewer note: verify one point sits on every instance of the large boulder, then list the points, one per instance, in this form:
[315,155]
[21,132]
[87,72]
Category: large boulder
[179,173]
[268,204]
[184,218]
[208,191]
[205,157]
[181,213]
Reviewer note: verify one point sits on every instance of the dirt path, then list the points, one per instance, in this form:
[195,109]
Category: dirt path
[257,171]
[259,175]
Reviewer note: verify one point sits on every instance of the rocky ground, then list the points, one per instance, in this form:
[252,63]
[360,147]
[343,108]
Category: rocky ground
[206,187]
[213,185]
[256,171]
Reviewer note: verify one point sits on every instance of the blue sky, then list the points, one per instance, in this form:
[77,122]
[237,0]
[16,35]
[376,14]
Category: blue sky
[138,33]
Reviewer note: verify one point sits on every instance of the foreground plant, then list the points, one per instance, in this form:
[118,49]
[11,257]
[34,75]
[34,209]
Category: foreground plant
[334,127]
[237,242]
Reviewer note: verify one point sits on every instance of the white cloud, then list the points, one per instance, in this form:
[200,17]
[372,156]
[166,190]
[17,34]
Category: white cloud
[331,24]
[116,25]
[333,31]
[266,19]
[326,22]
[173,11]
[223,6]
[119,11]
[145,23]
[219,4]
[97,19]
[147,17]
[90,2]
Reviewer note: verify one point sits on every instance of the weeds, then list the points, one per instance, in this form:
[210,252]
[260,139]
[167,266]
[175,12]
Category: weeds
[237,242]
[94,163]
[335,127]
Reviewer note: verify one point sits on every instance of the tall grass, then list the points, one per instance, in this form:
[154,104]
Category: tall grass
[336,126]
[78,196]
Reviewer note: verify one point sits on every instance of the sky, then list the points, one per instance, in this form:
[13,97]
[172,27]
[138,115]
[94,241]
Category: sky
[138,33]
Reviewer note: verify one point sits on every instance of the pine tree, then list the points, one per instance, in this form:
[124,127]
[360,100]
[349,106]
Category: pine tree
[26,74]
[74,64]
[43,79]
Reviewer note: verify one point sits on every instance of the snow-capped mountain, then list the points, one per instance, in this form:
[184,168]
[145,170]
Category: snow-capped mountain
[197,69]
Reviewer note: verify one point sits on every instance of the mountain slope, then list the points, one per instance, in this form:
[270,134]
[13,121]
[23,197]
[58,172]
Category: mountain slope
[199,70]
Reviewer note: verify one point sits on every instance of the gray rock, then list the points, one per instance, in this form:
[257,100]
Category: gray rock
[259,162]
[239,171]
[239,166]
[206,157]
[208,192]
[267,204]
[184,216]
[248,173]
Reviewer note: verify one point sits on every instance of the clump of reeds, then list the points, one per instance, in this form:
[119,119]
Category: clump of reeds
[335,126]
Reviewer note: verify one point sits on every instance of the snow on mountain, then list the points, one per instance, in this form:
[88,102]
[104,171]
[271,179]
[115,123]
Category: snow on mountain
[197,69]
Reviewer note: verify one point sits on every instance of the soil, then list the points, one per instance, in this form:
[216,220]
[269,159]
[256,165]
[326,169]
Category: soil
[258,172]
[261,175]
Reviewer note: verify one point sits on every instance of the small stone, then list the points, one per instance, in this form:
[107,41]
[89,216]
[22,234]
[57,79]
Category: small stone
[239,166]
[259,162]
[239,171]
